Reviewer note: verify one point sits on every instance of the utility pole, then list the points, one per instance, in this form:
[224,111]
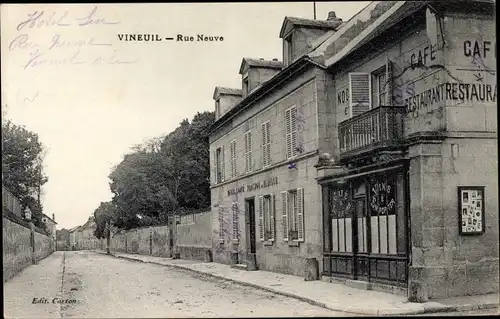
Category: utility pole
[314,7]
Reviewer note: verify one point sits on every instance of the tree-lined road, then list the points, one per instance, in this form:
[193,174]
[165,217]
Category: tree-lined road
[92,285]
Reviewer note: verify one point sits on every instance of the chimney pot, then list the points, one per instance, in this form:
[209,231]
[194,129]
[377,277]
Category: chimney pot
[275,59]
[54,217]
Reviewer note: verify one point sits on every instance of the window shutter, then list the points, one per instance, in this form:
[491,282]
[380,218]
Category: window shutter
[300,214]
[221,225]
[214,169]
[284,214]
[288,134]
[272,217]
[261,218]
[235,221]
[222,170]
[248,151]
[264,144]
[359,93]
[268,135]
[389,77]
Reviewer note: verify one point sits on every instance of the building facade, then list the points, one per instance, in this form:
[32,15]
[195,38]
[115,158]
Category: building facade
[373,148]
[51,225]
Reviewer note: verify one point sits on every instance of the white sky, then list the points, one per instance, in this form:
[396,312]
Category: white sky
[89,115]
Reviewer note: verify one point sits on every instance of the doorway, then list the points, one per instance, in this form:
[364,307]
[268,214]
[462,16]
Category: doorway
[250,226]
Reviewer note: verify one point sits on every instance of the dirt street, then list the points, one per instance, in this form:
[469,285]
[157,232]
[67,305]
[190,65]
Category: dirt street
[91,285]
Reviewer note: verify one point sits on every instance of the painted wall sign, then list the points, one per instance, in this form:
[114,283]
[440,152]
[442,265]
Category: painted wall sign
[476,48]
[255,186]
[343,96]
[423,55]
[463,92]
[471,210]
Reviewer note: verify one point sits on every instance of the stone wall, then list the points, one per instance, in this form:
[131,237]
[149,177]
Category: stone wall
[18,252]
[194,236]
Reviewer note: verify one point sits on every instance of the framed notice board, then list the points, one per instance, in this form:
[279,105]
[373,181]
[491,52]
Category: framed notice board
[471,210]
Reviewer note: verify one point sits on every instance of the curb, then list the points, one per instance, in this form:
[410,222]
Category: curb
[371,312]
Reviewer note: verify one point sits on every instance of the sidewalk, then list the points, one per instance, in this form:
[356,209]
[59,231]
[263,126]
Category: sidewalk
[333,296]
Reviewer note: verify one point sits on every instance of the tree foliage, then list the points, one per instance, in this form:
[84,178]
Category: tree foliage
[103,216]
[22,167]
[164,176]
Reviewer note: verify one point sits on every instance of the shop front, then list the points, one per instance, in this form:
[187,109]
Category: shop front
[366,225]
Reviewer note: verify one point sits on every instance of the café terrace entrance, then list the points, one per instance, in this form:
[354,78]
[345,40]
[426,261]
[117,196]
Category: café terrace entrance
[366,227]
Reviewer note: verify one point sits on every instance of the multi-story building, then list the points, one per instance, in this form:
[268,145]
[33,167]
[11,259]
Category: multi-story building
[73,237]
[371,148]
[51,225]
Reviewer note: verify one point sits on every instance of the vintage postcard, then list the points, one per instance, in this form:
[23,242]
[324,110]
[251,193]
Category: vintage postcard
[274,159]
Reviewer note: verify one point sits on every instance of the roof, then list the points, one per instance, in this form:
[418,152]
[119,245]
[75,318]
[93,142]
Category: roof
[319,24]
[50,219]
[219,90]
[261,63]
[74,229]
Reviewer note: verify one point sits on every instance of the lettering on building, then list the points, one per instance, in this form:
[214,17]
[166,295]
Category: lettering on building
[343,96]
[423,55]
[463,92]
[252,187]
[476,48]
[382,198]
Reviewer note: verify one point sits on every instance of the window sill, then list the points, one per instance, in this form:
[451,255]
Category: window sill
[269,243]
[293,243]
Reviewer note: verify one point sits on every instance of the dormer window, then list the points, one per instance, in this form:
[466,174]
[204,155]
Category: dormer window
[217,109]
[287,50]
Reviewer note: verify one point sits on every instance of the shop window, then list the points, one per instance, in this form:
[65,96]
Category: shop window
[266,218]
[383,209]
[293,215]
[341,219]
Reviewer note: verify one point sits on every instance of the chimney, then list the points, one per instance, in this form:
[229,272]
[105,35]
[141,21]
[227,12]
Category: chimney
[275,59]
[332,17]
[54,217]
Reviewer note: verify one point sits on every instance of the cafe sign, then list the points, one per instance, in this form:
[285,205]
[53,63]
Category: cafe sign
[252,187]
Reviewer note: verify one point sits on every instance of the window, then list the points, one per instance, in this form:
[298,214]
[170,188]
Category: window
[380,80]
[217,109]
[232,149]
[293,214]
[245,85]
[236,232]
[287,50]
[291,132]
[266,218]
[219,164]
[221,225]
[359,93]
[248,151]
[266,143]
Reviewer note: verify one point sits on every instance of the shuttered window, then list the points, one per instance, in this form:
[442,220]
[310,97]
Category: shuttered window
[293,215]
[219,164]
[382,85]
[260,213]
[291,132]
[248,151]
[236,231]
[360,93]
[266,143]
[268,217]
[233,159]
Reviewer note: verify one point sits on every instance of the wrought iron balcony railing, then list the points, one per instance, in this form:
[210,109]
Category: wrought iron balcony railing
[378,128]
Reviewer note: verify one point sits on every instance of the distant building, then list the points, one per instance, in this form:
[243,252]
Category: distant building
[51,225]
[73,237]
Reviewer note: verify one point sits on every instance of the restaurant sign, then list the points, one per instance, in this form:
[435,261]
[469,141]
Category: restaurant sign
[252,187]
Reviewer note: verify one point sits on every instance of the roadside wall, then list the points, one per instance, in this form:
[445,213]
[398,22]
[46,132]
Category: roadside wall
[22,246]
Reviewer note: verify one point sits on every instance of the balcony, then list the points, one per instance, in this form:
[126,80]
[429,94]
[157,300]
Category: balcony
[381,128]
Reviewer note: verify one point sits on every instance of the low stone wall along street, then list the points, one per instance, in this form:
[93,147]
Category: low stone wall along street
[189,236]
[22,246]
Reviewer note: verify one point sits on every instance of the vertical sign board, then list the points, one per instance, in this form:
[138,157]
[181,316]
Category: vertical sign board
[471,210]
